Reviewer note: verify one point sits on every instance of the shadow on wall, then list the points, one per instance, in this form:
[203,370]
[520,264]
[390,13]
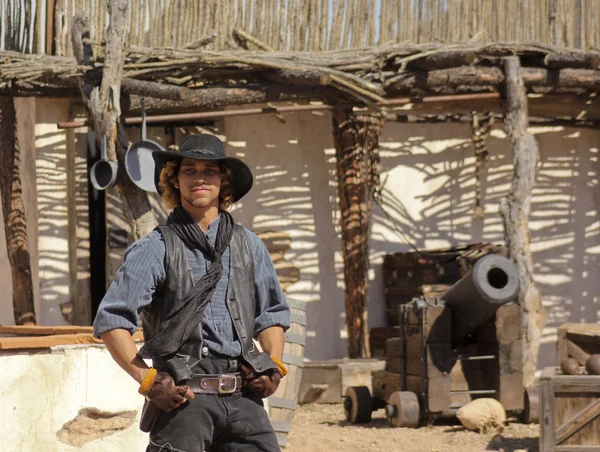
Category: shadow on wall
[430,197]
[51,168]
[292,193]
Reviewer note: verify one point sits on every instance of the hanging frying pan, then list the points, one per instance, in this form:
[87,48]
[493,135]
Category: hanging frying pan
[103,173]
[138,159]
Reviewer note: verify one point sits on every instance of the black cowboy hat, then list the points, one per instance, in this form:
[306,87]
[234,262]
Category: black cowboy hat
[206,147]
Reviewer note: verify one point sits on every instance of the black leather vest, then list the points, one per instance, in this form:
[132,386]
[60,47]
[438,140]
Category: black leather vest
[241,304]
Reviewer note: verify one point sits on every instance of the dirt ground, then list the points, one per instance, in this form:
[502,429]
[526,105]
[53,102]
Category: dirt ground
[323,428]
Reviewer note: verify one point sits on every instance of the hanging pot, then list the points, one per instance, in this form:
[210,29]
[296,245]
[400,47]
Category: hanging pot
[139,163]
[103,173]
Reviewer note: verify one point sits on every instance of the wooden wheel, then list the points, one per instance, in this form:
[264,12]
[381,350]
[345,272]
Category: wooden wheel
[358,404]
[531,415]
[403,409]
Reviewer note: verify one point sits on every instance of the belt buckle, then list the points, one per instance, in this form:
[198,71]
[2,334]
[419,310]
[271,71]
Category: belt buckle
[227,384]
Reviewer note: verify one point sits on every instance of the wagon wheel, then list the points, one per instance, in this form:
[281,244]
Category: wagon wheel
[531,414]
[403,409]
[358,404]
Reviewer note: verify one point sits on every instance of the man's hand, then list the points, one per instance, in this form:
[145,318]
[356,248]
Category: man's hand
[263,384]
[166,395]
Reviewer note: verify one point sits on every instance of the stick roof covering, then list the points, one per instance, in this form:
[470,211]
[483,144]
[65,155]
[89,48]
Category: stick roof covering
[358,75]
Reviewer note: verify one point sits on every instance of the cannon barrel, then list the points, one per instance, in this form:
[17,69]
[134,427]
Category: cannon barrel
[492,282]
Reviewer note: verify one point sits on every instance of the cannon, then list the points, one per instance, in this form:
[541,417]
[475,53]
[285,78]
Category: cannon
[450,350]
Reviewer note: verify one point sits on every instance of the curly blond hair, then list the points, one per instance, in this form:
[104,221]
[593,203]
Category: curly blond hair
[171,196]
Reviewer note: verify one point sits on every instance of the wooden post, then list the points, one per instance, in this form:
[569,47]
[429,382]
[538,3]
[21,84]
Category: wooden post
[515,209]
[13,209]
[104,106]
[356,139]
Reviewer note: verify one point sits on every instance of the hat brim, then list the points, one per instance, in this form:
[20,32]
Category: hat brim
[241,178]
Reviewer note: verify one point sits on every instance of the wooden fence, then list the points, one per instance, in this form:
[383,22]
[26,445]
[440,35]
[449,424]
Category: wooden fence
[307,25]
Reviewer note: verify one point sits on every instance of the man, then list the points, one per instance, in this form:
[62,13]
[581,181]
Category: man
[205,287]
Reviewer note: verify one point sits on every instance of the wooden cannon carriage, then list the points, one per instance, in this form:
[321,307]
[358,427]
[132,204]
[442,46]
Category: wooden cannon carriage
[449,352]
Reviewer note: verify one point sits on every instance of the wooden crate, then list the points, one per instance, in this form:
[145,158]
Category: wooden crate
[577,340]
[422,360]
[570,412]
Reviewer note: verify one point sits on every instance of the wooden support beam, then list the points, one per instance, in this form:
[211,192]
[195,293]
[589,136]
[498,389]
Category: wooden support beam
[515,209]
[561,106]
[223,96]
[145,88]
[103,104]
[467,77]
[356,139]
[15,221]
[465,119]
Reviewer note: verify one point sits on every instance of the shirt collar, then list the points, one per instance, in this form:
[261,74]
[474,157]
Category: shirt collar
[213,228]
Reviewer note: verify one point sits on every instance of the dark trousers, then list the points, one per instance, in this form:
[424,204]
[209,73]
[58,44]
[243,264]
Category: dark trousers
[215,423]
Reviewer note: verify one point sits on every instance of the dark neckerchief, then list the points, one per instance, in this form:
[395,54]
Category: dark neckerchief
[187,314]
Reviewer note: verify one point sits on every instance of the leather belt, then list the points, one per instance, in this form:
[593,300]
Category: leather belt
[215,384]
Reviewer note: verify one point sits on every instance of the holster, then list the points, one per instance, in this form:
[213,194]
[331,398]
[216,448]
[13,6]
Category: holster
[150,414]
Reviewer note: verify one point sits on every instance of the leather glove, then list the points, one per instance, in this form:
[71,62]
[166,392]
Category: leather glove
[166,395]
[263,384]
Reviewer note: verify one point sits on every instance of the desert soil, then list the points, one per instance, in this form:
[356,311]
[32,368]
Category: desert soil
[323,428]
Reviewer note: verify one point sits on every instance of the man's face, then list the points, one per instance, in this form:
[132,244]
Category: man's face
[199,182]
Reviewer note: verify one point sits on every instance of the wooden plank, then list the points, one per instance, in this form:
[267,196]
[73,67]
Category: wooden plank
[393,347]
[570,409]
[547,425]
[431,322]
[510,391]
[20,343]
[385,383]
[436,361]
[508,357]
[578,421]
[505,326]
[575,351]
[44,330]
[561,343]
[577,449]
[438,394]
[414,384]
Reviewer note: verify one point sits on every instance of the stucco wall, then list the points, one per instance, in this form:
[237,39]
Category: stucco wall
[43,390]
[429,193]
[51,165]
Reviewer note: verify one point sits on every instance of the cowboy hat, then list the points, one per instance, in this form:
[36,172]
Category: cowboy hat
[206,147]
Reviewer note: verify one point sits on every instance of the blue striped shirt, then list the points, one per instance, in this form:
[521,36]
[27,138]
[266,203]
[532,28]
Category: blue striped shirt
[143,271]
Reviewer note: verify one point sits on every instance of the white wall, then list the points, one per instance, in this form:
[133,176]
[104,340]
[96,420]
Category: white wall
[42,391]
[53,229]
[429,193]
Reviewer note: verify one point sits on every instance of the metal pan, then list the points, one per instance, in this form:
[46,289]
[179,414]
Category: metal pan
[139,163]
[103,173]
